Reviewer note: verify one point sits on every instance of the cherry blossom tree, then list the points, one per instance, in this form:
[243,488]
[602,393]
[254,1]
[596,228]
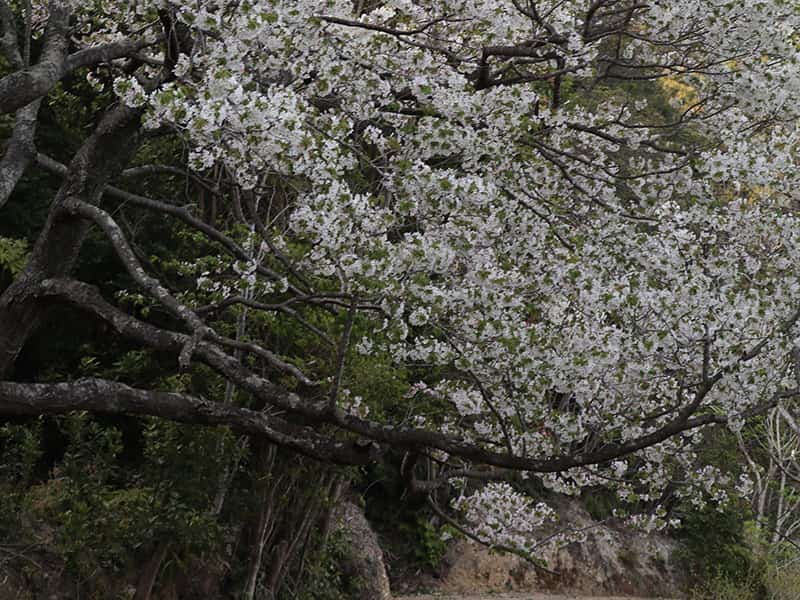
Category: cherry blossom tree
[572,224]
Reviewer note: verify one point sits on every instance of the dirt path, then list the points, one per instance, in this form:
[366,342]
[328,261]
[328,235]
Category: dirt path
[527,596]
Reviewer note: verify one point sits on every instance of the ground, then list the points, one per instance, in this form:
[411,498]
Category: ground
[524,596]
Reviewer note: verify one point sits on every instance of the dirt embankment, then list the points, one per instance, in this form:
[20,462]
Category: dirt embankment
[612,561]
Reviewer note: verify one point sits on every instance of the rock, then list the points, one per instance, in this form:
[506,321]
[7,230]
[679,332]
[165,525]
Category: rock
[364,564]
[612,560]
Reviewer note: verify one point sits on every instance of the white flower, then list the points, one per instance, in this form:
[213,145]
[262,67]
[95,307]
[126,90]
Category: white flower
[419,316]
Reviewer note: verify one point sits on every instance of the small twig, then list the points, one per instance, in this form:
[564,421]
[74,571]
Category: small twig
[344,343]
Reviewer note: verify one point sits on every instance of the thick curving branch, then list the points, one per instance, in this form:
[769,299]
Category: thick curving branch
[25,85]
[20,151]
[152,286]
[111,397]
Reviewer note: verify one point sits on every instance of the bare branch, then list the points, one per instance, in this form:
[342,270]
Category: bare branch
[271,358]
[152,286]
[344,344]
[379,28]
[179,212]
[105,53]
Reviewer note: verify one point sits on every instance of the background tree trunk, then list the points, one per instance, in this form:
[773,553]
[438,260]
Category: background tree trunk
[149,574]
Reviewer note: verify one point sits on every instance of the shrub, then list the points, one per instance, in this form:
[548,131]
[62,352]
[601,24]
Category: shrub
[714,545]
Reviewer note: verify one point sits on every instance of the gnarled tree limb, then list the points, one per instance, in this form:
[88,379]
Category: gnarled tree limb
[102,156]
[111,397]
[26,84]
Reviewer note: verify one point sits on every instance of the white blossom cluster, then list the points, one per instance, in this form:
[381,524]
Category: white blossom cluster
[500,516]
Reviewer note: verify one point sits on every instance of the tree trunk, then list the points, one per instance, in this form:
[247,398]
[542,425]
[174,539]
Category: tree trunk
[100,158]
[147,578]
[266,519]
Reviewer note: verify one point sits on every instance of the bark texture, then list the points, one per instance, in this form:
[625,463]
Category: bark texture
[20,150]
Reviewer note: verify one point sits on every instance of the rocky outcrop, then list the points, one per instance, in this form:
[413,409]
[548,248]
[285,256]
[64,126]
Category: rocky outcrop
[611,560]
[364,566]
